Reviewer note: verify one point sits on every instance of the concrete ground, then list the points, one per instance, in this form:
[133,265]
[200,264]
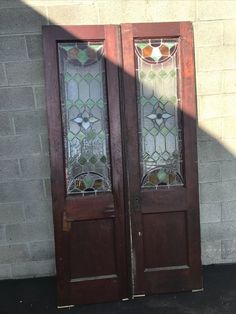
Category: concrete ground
[37,296]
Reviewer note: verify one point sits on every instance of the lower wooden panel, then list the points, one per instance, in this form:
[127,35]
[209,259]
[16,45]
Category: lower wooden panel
[96,291]
[171,281]
[165,240]
[92,249]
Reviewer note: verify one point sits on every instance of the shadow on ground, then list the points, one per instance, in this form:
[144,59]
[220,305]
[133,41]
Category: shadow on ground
[37,296]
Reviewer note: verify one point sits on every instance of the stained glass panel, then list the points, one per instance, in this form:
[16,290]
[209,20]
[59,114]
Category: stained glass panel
[84,112]
[159,114]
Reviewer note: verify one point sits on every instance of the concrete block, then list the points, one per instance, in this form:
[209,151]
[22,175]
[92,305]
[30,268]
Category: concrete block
[21,145]
[5,271]
[229,147]
[203,33]
[14,253]
[228,170]
[209,83]
[35,167]
[11,4]
[228,191]
[38,211]
[21,20]
[34,46]
[30,122]
[73,14]
[40,96]
[123,11]
[12,213]
[211,151]
[216,10]
[5,124]
[3,78]
[211,232]
[131,11]
[229,211]
[211,129]
[21,190]
[48,192]
[22,233]
[44,142]
[210,212]
[9,170]
[16,98]
[42,250]
[25,72]
[216,61]
[12,48]
[229,108]
[209,172]
[228,230]
[211,252]
[229,81]
[202,135]
[229,127]
[34,269]
[2,234]
[210,107]
[229,34]
[228,249]
[210,192]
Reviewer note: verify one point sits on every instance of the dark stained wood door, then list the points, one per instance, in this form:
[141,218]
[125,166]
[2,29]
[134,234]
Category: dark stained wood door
[160,121]
[123,158]
[82,84]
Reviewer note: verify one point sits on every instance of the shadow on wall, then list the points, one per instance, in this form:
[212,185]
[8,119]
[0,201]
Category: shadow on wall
[27,240]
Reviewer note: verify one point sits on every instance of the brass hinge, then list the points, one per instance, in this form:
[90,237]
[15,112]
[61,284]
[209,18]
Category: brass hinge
[66,224]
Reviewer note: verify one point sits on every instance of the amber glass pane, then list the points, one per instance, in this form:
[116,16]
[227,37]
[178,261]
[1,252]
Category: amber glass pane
[159,115]
[84,112]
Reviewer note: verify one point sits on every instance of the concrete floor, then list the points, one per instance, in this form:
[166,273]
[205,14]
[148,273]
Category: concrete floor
[37,296]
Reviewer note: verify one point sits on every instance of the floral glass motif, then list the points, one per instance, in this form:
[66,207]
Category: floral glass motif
[159,115]
[84,113]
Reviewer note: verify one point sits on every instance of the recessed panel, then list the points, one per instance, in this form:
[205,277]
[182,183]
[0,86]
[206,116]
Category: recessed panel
[165,240]
[92,249]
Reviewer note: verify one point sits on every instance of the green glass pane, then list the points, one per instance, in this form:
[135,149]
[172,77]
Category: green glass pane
[163,74]
[82,56]
[88,77]
[77,77]
[82,160]
[103,159]
[67,77]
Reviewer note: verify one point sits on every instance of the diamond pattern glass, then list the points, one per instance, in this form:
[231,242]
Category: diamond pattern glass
[84,114]
[158,111]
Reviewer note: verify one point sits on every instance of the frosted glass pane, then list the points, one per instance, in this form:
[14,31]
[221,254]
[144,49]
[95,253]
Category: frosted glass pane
[158,111]
[84,112]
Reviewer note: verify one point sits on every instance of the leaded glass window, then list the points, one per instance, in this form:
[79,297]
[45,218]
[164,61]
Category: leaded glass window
[84,115]
[160,138]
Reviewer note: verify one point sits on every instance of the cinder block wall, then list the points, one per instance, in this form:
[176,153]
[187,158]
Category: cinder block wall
[26,235]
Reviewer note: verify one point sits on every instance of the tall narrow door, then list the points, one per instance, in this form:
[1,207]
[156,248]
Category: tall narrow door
[160,113]
[81,67]
[123,160]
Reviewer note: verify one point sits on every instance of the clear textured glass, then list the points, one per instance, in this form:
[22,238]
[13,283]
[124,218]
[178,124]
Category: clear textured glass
[159,114]
[84,115]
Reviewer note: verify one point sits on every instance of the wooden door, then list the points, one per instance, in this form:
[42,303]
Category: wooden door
[81,68]
[160,115]
[123,160]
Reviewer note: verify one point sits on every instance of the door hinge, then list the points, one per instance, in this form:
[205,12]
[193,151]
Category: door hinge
[66,224]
